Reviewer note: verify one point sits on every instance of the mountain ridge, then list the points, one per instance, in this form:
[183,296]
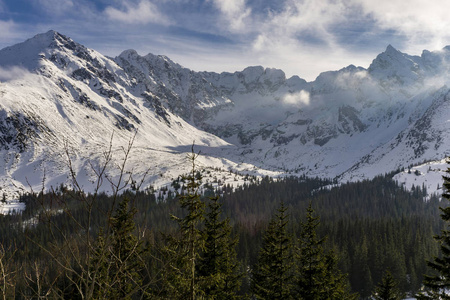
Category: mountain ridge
[351,124]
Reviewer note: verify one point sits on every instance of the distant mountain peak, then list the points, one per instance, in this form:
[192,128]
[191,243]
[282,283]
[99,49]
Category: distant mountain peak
[50,39]
[349,121]
[394,67]
[391,49]
[128,53]
[29,54]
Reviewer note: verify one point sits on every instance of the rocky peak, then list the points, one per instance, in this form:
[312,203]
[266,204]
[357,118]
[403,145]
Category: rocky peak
[393,67]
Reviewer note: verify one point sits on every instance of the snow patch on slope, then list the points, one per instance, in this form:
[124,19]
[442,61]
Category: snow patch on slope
[427,175]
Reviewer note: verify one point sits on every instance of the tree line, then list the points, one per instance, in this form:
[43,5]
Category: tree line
[262,240]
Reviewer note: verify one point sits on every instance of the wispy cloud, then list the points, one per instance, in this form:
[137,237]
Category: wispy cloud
[301,37]
[57,7]
[14,73]
[235,13]
[424,23]
[143,12]
[299,99]
[7,28]
[11,33]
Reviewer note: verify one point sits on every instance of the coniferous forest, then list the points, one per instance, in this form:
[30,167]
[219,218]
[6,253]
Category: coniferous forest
[290,238]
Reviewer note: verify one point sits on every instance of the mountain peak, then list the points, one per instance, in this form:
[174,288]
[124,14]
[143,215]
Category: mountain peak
[82,95]
[391,61]
[128,53]
[28,54]
[162,60]
[51,33]
[391,49]
[253,73]
[48,39]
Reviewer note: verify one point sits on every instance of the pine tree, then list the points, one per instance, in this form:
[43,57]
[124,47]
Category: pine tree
[183,251]
[118,259]
[99,273]
[273,274]
[387,289]
[360,273]
[317,274]
[127,249]
[218,267]
[438,286]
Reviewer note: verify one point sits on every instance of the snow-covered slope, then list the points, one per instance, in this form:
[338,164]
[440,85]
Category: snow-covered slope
[57,97]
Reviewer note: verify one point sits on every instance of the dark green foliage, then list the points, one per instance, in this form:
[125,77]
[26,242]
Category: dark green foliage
[218,268]
[272,277]
[387,289]
[311,260]
[317,276]
[99,273]
[371,225]
[119,259]
[183,251]
[437,286]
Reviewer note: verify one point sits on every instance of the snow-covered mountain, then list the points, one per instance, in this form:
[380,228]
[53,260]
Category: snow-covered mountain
[59,99]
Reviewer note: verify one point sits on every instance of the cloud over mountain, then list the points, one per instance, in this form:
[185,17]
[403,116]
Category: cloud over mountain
[348,124]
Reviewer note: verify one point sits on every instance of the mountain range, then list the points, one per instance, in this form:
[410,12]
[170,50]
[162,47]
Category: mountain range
[63,104]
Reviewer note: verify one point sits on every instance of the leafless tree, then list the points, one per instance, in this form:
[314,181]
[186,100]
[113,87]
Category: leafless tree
[73,252]
[7,273]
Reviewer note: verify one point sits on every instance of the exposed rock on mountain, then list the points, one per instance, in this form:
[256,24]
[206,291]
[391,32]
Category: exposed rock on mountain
[59,97]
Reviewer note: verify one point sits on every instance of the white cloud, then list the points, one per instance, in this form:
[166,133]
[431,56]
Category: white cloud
[299,38]
[299,99]
[143,13]
[14,73]
[11,33]
[235,13]
[353,79]
[304,37]
[6,28]
[424,23]
[56,7]
[301,20]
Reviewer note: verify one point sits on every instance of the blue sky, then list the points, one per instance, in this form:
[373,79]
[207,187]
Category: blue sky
[301,37]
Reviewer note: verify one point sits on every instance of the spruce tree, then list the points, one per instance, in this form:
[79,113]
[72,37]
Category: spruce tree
[387,289]
[183,251]
[317,276]
[99,273]
[272,276]
[218,267]
[127,251]
[118,258]
[438,286]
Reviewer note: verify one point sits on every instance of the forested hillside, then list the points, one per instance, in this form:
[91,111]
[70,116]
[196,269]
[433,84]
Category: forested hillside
[130,245]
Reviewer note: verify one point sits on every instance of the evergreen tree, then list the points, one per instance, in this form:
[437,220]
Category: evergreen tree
[118,259]
[99,273]
[360,272]
[127,251]
[273,273]
[218,267]
[438,286]
[317,274]
[387,289]
[183,252]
